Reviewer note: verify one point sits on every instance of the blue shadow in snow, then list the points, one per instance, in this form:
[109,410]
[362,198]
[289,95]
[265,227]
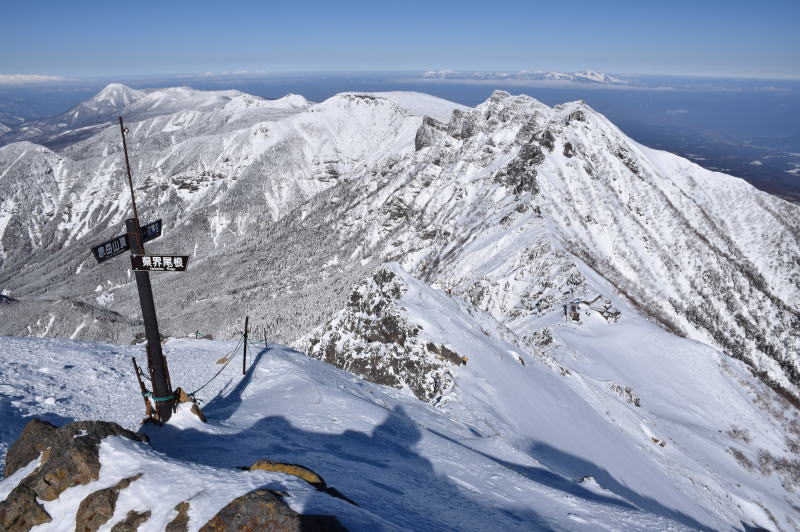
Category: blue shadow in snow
[375,469]
[13,421]
[557,459]
[223,406]
[380,471]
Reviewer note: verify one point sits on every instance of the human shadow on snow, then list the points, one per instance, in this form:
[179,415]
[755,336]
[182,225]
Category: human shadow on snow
[558,460]
[380,470]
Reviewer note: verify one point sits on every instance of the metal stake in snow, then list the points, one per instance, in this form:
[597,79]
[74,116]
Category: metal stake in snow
[157,363]
[244,356]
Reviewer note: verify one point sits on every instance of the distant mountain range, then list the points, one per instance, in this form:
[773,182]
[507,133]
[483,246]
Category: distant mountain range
[584,76]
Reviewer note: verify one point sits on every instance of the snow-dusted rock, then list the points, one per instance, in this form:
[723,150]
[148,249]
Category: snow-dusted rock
[376,338]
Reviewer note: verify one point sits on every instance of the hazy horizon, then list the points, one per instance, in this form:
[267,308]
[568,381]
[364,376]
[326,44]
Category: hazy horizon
[680,38]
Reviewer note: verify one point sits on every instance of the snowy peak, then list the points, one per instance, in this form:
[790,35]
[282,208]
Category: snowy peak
[114,96]
[113,100]
[293,100]
[598,77]
[420,104]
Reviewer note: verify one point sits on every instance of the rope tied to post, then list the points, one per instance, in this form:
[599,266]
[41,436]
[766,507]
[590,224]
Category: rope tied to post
[148,393]
[230,357]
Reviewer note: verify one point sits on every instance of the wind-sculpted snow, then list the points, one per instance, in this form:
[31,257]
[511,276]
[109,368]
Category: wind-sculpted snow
[512,204]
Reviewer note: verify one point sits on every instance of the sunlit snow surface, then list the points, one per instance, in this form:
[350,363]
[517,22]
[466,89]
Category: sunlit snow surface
[507,450]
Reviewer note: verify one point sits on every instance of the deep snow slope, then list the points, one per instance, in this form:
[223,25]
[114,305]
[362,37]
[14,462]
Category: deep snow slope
[669,423]
[408,465]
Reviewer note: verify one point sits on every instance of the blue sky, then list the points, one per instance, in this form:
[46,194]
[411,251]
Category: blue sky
[702,38]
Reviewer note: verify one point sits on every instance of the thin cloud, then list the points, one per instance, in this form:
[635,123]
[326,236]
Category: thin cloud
[236,73]
[677,111]
[523,83]
[24,79]
[780,90]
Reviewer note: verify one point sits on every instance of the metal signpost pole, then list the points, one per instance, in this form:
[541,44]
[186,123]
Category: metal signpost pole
[162,393]
[244,356]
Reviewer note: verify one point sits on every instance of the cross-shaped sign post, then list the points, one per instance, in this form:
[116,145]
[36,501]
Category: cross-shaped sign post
[142,264]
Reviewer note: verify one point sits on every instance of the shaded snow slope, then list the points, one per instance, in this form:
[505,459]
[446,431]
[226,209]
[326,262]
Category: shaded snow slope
[407,464]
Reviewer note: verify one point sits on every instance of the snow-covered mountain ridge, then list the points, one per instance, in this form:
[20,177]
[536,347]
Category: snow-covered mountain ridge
[510,203]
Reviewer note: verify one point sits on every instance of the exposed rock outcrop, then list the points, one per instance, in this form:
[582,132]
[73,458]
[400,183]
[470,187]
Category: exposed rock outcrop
[428,132]
[131,522]
[181,521]
[375,338]
[96,509]
[265,510]
[300,472]
[69,457]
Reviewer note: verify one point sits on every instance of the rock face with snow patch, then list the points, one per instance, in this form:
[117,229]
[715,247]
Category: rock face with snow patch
[69,457]
[374,338]
[50,460]
[264,510]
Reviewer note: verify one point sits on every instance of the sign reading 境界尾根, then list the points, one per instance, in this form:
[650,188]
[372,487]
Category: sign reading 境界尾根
[159,263]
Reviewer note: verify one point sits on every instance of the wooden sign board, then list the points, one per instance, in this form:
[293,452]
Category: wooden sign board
[159,263]
[151,231]
[112,248]
[119,244]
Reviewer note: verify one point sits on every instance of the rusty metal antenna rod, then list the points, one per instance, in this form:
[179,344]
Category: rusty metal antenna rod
[128,166]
